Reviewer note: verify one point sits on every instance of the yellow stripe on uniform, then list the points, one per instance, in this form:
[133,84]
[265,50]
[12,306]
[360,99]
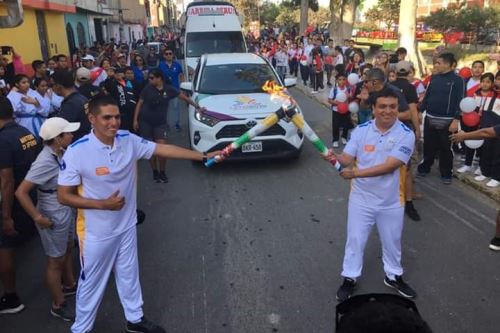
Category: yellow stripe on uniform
[402,184]
[80,222]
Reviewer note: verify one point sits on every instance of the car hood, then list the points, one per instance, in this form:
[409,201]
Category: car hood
[240,105]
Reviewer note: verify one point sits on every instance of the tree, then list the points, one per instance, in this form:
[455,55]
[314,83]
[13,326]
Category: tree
[269,11]
[247,8]
[304,13]
[442,19]
[386,11]
[406,31]
[472,19]
[342,16]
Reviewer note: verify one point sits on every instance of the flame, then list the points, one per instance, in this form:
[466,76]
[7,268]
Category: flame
[277,93]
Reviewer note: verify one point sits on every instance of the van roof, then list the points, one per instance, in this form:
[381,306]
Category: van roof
[232,58]
[208,3]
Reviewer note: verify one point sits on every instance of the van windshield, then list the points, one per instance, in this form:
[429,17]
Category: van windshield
[198,43]
[235,78]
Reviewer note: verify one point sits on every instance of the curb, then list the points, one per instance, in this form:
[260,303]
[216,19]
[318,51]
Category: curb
[467,179]
[493,193]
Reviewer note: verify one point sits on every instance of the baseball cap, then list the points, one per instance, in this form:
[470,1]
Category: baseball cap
[52,127]
[121,55]
[88,57]
[375,74]
[403,67]
[83,74]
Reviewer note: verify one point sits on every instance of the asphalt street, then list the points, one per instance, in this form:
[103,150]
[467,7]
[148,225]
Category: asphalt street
[258,247]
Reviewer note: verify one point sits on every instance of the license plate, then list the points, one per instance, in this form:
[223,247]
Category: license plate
[252,147]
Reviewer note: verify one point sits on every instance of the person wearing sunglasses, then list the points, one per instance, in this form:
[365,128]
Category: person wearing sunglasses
[172,69]
[150,116]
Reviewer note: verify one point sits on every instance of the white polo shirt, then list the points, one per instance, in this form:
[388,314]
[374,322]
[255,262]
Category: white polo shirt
[370,148]
[100,170]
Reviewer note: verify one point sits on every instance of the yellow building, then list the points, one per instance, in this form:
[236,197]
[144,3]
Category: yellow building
[42,34]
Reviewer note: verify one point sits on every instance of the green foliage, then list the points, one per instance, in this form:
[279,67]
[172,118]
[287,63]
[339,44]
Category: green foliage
[469,19]
[295,4]
[386,11]
[442,19]
[269,11]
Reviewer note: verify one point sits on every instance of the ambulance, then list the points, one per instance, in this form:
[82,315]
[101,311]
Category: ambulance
[211,27]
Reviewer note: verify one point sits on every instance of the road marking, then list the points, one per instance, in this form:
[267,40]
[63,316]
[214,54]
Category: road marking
[455,215]
[274,318]
[204,293]
[460,203]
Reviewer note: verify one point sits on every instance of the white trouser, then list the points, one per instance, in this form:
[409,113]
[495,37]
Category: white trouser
[98,259]
[360,221]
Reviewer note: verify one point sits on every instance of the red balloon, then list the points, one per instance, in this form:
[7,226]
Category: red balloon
[342,108]
[471,119]
[465,73]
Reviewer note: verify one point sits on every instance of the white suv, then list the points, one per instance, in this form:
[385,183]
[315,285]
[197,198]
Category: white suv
[229,86]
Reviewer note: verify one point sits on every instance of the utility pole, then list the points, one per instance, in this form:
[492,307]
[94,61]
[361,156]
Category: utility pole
[304,8]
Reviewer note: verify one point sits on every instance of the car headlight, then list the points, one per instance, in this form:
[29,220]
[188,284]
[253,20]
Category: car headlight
[206,119]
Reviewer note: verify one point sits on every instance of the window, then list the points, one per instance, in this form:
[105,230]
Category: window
[199,43]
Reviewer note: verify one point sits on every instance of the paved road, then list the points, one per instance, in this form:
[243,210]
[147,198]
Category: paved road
[254,248]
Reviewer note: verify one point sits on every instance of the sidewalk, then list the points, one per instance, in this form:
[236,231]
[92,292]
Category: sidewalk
[467,178]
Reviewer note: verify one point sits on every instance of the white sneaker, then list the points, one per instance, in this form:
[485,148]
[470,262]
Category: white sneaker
[335,144]
[478,172]
[493,183]
[480,178]
[314,92]
[344,141]
[463,169]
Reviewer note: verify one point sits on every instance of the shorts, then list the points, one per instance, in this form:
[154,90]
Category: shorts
[153,132]
[24,226]
[55,240]
[329,68]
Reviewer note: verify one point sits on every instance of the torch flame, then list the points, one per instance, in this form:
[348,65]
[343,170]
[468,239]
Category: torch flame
[278,94]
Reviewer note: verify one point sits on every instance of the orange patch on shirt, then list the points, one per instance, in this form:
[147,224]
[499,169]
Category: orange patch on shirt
[369,148]
[102,171]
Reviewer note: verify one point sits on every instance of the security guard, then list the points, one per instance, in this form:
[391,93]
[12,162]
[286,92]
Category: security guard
[18,149]
[378,152]
[106,199]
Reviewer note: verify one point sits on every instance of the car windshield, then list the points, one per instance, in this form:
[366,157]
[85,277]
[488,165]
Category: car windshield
[198,43]
[235,78]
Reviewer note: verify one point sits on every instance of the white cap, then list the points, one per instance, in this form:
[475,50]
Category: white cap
[52,127]
[83,74]
[88,57]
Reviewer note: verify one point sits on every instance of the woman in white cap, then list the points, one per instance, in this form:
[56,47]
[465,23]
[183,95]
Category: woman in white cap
[55,222]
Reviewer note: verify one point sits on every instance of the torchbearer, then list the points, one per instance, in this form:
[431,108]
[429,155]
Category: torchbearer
[99,178]
[375,158]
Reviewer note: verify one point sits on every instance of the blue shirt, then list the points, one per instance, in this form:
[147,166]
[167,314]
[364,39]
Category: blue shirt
[172,72]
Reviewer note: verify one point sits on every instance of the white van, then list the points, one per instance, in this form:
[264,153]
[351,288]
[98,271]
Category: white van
[211,27]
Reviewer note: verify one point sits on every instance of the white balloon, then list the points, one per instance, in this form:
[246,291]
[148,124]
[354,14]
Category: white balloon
[353,107]
[474,144]
[353,79]
[341,97]
[468,104]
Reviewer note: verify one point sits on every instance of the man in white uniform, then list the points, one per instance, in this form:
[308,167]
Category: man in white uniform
[375,159]
[100,180]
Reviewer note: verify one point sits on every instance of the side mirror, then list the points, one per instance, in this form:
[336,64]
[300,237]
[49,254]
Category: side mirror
[187,86]
[290,82]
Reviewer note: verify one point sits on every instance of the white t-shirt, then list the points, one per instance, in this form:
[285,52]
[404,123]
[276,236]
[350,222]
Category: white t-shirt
[370,147]
[334,92]
[99,171]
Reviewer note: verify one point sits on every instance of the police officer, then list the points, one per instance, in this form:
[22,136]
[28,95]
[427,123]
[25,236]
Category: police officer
[18,149]
[375,159]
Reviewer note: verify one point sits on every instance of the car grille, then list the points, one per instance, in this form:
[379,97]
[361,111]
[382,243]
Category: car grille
[234,131]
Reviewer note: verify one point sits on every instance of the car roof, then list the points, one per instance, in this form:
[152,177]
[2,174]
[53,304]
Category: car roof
[232,58]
